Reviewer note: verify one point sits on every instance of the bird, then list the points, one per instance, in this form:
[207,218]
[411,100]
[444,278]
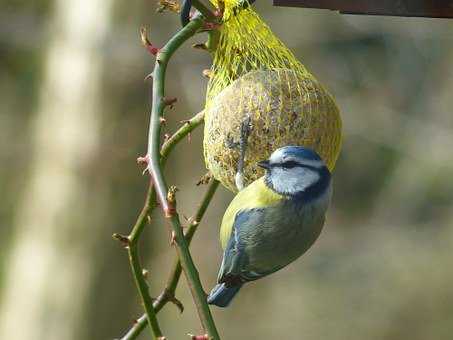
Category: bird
[272,221]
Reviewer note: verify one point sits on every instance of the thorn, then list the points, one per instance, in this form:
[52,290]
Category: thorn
[205,179]
[200,46]
[123,239]
[185,121]
[135,321]
[207,73]
[148,219]
[162,120]
[172,238]
[189,137]
[161,338]
[149,76]
[193,222]
[145,273]
[168,295]
[169,101]
[209,26]
[185,226]
[166,137]
[198,337]
[186,218]
[144,36]
[144,161]
[146,43]
[176,302]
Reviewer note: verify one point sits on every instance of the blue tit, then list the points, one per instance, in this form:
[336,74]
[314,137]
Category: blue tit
[273,221]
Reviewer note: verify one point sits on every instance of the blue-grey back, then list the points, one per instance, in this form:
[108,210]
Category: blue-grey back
[277,235]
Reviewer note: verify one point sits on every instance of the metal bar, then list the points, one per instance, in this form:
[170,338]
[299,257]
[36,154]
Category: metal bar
[407,8]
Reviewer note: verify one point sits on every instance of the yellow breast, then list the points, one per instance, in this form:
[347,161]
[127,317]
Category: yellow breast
[256,195]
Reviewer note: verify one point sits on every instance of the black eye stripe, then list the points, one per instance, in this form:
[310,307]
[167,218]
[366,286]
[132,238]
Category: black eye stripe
[293,164]
[290,164]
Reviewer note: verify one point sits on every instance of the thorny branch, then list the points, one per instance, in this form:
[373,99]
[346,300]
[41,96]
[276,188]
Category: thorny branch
[165,196]
[150,203]
[155,162]
[168,293]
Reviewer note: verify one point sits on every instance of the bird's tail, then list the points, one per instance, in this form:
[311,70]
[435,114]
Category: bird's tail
[221,295]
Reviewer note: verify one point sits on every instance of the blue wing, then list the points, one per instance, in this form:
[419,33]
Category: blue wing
[233,271]
[235,263]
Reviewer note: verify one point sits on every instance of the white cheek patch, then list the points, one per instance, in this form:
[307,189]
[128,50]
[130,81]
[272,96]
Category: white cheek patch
[293,180]
[306,179]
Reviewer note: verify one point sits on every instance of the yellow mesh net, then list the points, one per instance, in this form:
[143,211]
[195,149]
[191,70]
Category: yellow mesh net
[255,75]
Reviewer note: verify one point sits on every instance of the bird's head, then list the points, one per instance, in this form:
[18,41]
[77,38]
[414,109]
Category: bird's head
[296,170]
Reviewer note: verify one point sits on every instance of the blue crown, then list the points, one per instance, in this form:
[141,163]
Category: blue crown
[300,152]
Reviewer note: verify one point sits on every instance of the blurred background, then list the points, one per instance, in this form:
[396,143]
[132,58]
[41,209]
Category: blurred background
[73,119]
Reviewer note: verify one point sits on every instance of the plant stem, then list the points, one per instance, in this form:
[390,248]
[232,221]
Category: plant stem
[183,131]
[158,104]
[150,203]
[143,289]
[150,200]
[204,10]
[166,201]
[134,260]
[169,291]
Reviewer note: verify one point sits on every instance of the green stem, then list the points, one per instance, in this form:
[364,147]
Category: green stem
[159,104]
[150,203]
[169,145]
[143,289]
[204,10]
[175,274]
[183,131]
[176,269]
[154,166]
[134,260]
[213,40]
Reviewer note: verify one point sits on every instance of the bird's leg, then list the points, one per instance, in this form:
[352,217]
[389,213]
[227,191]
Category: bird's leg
[246,128]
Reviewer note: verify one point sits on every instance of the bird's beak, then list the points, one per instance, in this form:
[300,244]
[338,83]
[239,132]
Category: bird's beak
[264,164]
